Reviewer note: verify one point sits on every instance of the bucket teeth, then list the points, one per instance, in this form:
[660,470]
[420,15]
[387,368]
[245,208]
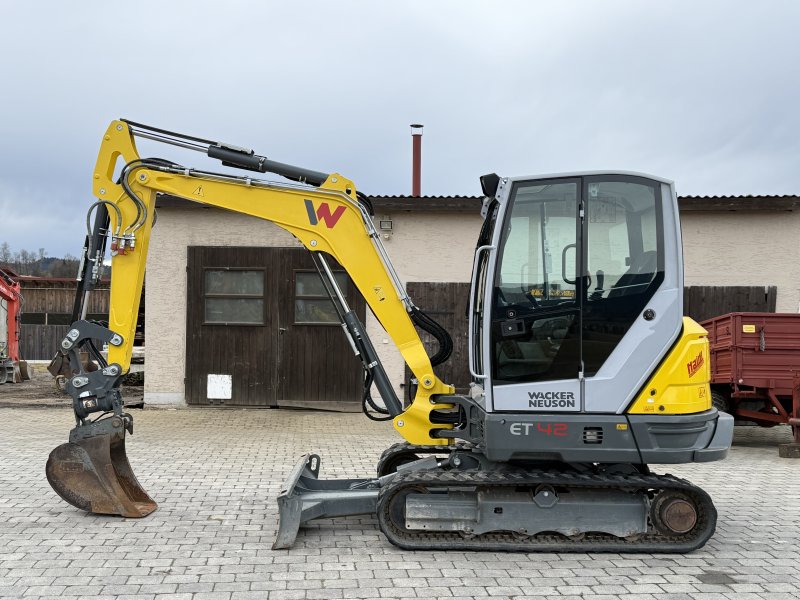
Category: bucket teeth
[92,472]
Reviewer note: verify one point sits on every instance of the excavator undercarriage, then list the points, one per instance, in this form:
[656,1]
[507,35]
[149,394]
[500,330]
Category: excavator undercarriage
[454,499]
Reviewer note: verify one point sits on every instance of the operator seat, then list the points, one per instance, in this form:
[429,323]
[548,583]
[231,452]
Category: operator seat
[638,276]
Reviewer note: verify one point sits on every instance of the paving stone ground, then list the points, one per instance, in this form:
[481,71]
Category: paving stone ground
[215,474]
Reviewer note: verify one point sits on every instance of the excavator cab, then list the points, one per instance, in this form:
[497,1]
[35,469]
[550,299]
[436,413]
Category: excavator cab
[582,292]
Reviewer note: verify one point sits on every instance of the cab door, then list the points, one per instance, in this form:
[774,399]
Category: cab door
[535,323]
[584,291]
[633,303]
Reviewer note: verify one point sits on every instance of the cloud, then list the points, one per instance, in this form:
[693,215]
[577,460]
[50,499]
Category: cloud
[699,92]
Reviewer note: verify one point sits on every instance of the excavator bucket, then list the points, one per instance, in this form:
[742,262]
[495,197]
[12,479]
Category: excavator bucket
[92,471]
[24,370]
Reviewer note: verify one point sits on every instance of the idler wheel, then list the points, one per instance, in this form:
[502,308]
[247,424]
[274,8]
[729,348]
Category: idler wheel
[674,513]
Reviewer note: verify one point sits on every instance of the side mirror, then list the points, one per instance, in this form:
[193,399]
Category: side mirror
[489,184]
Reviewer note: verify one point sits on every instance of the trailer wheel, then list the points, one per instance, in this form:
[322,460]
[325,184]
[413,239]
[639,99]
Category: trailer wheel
[719,401]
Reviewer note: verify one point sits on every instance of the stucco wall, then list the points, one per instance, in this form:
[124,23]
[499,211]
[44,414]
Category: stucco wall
[744,248]
[429,247]
[424,247]
[165,289]
[725,248]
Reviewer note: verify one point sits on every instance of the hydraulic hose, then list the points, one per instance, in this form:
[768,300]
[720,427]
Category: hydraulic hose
[141,208]
[368,403]
[426,323]
[95,205]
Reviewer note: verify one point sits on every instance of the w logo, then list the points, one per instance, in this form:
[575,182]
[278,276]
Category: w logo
[323,213]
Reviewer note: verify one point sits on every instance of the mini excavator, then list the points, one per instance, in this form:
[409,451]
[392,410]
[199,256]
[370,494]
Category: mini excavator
[584,369]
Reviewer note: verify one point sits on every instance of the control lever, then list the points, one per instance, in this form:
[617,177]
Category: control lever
[597,294]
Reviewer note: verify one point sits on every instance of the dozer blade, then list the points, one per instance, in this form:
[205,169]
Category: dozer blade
[305,497]
[92,471]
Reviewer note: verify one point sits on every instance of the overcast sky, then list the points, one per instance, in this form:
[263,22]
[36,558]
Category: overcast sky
[705,93]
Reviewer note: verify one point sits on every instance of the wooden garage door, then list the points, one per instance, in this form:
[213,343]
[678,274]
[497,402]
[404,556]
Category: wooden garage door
[261,332]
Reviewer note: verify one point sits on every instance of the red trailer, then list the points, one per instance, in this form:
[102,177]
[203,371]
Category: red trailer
[755,367]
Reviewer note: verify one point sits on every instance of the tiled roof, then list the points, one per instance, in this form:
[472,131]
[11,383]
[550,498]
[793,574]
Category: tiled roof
[473,203]
[686,203]
[746,202]
[739,196]
[428,203]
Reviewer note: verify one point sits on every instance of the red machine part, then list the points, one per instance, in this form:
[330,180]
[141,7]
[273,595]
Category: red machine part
[10,292]
[755,366]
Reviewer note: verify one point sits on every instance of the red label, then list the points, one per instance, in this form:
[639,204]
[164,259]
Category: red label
[556,429]
[323,213]
[694,366]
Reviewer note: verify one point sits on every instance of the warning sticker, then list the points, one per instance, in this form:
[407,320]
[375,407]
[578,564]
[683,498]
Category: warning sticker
[748,328]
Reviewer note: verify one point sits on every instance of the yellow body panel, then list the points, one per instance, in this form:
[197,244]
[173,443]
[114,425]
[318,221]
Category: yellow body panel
[127,269]
[680,385]
[342,234]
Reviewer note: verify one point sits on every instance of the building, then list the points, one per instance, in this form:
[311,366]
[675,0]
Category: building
[286,349]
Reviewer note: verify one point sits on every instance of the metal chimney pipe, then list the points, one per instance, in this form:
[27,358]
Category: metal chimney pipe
[416,164]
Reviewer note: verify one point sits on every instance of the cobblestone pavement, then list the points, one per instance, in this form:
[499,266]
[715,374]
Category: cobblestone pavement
[216,472]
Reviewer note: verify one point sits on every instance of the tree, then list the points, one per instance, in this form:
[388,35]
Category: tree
[37,264]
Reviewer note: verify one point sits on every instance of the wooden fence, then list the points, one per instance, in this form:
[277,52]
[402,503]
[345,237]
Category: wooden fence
[47,313]
[41,342]
[704,302]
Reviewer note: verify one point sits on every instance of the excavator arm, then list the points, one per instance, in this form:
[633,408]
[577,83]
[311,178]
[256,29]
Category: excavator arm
[327,220]
[324,212]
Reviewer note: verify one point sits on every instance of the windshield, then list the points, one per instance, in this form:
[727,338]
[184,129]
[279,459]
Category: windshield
[538,250]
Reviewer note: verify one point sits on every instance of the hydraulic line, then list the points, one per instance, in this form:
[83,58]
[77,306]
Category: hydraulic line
[127,171]
[339,303]
[368,403]
[129,192]
[426,323]
[364,199]
[96,353]
[97,254]
[95,205]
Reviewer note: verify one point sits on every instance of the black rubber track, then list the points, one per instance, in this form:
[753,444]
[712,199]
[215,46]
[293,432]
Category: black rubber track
[651,542]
